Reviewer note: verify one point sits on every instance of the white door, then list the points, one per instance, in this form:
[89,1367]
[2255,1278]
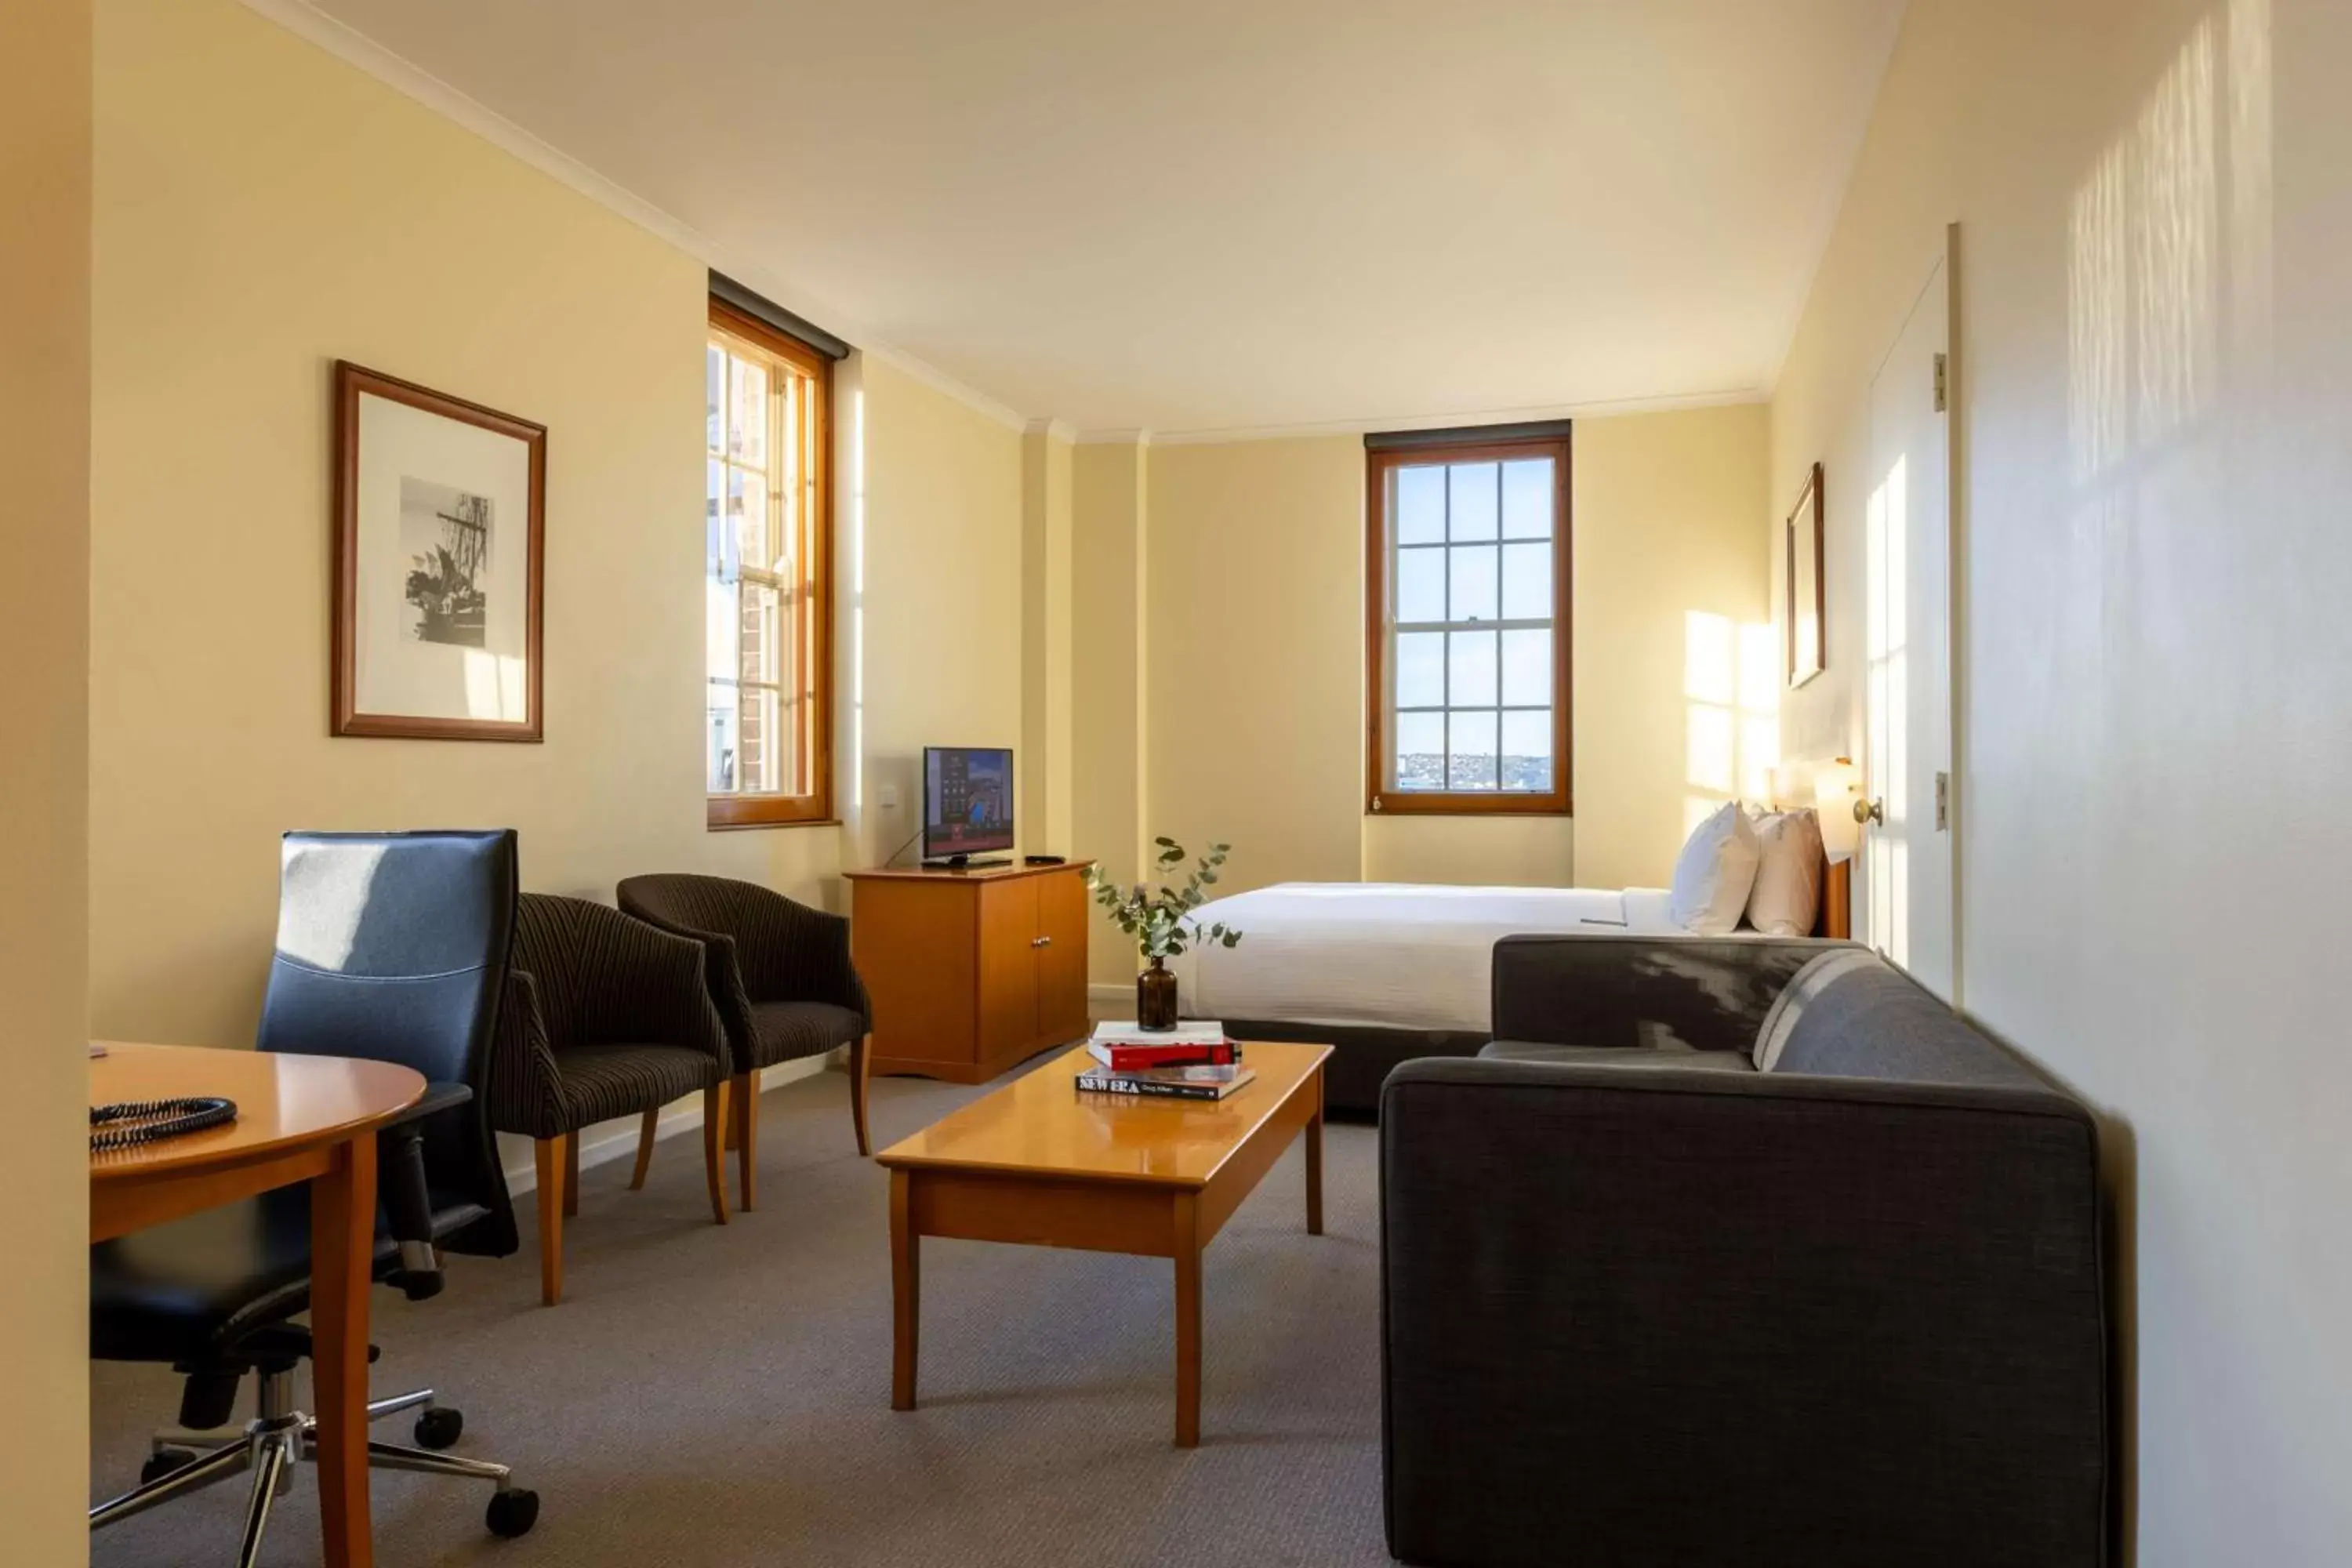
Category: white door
[1907,686]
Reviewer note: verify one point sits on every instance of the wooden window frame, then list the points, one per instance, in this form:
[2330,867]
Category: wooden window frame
[1380,798]
[812,805]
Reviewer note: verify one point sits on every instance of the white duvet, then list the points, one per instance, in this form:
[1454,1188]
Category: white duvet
[1386,955]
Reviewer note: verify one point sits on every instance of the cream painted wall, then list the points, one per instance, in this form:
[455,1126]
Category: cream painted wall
[2155,447]
[1676,675]
[1107,677]
[1254,574]
[45,371]
[1045,761]
[263,209]
[942,604]
[1255,581]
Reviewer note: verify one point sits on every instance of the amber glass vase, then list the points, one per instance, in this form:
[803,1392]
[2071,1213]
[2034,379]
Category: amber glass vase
[1155,997]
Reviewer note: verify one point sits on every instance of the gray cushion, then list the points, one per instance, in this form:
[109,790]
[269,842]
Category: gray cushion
[1781,1019]
[1876,1022]
[1633,1058]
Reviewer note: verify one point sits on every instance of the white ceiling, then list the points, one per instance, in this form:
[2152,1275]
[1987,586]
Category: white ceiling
[1204,214]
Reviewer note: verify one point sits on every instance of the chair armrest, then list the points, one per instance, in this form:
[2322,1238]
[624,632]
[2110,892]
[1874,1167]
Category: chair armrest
[406,1193]
[526,1085]
[1601,1282]
[1710,993]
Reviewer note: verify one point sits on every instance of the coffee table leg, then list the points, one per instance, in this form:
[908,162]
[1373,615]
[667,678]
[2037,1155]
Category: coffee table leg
[1188,1320]
[905,1286]
[1315,1162]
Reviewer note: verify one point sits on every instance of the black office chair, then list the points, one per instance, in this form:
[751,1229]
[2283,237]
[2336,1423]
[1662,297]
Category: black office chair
[393,946]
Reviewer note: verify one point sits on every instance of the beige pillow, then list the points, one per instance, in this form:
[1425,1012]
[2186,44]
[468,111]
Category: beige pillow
[1788,892]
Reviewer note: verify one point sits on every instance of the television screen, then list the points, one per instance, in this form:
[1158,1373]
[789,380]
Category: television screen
[967,800]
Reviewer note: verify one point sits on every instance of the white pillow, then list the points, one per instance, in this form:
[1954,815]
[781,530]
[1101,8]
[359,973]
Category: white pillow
[1788,892]
[1714,873]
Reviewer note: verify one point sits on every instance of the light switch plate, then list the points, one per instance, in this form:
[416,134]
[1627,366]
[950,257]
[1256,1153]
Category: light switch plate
[888,797]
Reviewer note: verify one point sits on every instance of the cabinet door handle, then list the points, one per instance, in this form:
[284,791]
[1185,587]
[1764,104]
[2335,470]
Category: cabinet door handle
[1043,941]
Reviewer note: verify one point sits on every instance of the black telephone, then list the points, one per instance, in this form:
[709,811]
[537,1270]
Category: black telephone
[129,1123]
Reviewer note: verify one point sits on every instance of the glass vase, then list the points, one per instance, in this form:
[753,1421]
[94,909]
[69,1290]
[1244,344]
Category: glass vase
[1155,997]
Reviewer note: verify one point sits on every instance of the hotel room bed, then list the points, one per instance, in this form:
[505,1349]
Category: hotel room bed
[1388,972]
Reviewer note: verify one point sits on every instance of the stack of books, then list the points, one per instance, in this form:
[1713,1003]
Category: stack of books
[1191,1061]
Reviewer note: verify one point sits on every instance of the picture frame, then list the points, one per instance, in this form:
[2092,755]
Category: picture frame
[439,524]
[1803,575]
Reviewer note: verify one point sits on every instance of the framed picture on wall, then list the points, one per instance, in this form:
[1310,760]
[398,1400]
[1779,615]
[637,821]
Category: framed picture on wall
[439,509]
[1802,550]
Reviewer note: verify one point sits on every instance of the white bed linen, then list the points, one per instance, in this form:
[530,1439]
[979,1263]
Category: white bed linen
[1386,955]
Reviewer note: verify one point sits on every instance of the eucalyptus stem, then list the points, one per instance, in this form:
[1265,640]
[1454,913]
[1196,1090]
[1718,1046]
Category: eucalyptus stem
[1159,920]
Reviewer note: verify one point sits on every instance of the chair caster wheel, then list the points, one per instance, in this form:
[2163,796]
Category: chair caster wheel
[437,1427]
[162,1463]
[512,1514]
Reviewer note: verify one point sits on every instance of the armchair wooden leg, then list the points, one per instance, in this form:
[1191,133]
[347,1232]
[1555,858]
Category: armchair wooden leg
[571,1176]
[743,1122]
[714,1151]
[646,1130]
[550,1155]
[861,1056]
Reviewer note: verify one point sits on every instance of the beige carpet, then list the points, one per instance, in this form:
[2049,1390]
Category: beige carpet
[710,1395]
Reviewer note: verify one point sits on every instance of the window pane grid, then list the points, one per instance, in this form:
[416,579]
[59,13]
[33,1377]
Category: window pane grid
[761,424]
[1470,687]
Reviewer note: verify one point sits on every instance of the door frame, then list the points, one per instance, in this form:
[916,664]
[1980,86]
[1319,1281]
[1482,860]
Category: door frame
[1955,577]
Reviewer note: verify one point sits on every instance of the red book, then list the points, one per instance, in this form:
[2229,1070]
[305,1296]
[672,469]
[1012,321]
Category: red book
[1175,1053]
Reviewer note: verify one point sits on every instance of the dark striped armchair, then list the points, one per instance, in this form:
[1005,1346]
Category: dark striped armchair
[780,975]
[604,1016]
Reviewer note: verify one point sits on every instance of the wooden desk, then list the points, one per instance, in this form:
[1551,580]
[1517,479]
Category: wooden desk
[298,1119]
[1036,1163]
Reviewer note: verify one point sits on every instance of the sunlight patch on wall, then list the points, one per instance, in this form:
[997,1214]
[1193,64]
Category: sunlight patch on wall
[494,688]
[1886,523]
[2151,263]
[1731,730]
[858,609]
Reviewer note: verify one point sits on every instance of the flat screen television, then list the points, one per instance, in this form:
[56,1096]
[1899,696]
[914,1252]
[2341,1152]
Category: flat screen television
[967,802]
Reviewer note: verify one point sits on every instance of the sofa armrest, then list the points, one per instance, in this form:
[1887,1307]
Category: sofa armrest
[1674,1315]
[1710,993]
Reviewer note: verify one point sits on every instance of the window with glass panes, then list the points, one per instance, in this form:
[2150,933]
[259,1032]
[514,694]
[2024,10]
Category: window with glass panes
[765,528]
[1468,638]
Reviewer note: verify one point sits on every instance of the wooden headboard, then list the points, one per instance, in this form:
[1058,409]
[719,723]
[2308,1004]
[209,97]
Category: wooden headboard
[1836,915]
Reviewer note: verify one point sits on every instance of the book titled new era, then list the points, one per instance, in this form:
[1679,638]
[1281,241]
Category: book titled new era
[1166,1083]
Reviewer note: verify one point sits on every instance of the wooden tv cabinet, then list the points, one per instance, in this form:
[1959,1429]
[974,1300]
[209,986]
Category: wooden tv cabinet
[970,971]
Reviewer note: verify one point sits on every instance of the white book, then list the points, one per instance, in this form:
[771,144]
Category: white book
[1129,1033]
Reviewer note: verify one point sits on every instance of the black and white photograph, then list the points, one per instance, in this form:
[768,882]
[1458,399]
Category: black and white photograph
[439,526]
[445,534]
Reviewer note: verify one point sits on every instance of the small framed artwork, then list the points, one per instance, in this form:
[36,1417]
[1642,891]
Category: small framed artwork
[439,512]
[1802,551]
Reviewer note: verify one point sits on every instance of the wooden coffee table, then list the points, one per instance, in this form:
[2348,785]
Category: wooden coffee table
[1038,1163]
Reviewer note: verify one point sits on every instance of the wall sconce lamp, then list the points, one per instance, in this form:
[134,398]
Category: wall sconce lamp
[1841,807]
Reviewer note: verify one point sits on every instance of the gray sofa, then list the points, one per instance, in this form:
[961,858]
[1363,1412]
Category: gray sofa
[1644,1304]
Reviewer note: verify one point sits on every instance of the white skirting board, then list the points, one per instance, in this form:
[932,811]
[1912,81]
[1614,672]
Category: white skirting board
[618,1140]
